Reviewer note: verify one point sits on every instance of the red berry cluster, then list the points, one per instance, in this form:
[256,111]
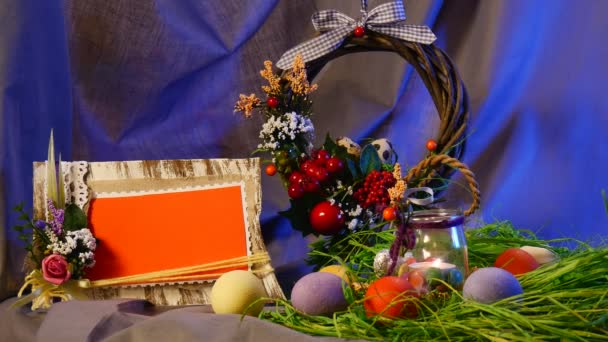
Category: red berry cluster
[319,169]
[374,189]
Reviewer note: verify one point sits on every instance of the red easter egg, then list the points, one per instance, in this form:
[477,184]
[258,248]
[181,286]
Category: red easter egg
[516,261]
[417,279]
[410,260]
[326,218]
[391,297]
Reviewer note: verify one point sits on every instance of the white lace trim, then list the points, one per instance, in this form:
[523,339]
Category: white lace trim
[75,187]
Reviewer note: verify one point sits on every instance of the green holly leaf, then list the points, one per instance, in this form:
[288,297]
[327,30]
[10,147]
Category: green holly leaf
[330,145]
[352,167]
[369,160]
[74,218]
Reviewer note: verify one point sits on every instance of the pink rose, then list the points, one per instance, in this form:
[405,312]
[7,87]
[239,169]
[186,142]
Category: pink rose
[55,269]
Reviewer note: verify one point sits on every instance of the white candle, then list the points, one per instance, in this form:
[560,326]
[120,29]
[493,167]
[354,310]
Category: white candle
[425,265]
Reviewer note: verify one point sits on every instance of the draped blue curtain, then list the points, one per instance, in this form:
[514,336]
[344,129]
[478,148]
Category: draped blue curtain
[157,79]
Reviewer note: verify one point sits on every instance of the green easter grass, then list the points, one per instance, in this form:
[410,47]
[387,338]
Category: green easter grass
[563,301]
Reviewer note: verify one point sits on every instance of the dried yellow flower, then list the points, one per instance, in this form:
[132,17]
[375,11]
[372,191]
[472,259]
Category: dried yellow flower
[397,171]
[246,104]
[396,192]
[298,79]
[273,79]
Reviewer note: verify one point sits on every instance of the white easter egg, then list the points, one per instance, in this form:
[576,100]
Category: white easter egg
[541,255]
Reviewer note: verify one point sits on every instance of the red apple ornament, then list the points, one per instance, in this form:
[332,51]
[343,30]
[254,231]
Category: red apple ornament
[326,218]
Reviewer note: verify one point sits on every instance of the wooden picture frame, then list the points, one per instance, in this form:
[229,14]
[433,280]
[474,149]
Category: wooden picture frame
[165,214]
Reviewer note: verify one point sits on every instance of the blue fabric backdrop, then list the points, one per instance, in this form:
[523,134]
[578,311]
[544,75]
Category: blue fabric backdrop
[157,79]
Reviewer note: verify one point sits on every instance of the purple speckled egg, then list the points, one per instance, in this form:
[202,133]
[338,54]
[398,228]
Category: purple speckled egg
[319,293]
[491,284]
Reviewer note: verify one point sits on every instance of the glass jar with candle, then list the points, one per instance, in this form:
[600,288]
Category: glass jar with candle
[440,238]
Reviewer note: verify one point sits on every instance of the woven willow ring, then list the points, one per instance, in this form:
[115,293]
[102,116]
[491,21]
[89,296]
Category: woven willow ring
[449,96]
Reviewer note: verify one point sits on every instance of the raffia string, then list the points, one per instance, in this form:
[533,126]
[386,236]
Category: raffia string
[43,293]
[434,162]
[183,273]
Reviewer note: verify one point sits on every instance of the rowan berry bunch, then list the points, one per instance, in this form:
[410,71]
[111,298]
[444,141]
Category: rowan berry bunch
[374,192]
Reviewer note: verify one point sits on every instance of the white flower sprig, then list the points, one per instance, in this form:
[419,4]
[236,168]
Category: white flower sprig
[280,130]
[73,239]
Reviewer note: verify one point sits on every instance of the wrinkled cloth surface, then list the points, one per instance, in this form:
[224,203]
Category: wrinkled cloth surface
[157,79]
[125,320]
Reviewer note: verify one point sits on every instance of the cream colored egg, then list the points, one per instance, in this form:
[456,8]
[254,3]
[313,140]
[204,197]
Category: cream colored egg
[541,255]
[234,291]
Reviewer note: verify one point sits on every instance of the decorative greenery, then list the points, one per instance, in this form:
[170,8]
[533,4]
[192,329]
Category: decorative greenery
[563,301]
[75,218]
[41,241]
[59,247]
[26,230]
[357,182]
[359,248]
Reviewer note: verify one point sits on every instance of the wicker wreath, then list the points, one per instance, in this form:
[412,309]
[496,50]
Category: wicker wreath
[370,184]
[449,94]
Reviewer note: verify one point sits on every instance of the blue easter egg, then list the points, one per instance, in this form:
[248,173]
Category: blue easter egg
[491,284]
[455,278]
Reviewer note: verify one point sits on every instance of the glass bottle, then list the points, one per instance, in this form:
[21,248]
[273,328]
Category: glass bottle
[440,235]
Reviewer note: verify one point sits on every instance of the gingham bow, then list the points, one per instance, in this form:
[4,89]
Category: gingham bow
[386,19]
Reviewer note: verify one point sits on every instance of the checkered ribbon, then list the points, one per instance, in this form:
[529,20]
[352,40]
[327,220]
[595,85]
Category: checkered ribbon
[387,19]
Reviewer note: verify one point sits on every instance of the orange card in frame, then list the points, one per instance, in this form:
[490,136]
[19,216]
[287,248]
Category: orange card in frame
[142,233]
